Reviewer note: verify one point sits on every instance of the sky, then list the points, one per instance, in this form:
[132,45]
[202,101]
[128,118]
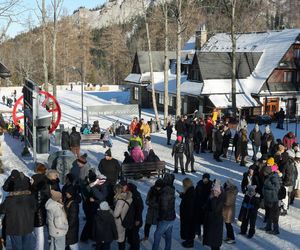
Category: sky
[28,9]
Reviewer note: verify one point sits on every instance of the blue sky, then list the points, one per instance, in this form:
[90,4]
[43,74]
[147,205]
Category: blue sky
[29,7]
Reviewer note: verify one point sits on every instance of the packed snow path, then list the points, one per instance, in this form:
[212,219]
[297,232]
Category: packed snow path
[70,103]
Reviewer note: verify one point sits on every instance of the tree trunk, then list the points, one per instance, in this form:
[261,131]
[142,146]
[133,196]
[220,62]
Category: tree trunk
[178,61]
[151,68]
[45,66]
[166,67]
[233,40]
[54,47]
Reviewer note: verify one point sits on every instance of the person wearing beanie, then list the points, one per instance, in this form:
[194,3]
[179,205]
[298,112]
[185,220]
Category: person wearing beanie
[75,139]
[57,221]
[213,223]
[152,211]
[19,209]
[255,138]
[289,139]
[71,206]
[177,152]
[280,118]
[105,230]
[230,194]
[248,212]
[169,129]
[202,192]
[41,192]
[270,193]
[267,141]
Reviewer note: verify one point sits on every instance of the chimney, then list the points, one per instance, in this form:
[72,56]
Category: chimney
[201,37]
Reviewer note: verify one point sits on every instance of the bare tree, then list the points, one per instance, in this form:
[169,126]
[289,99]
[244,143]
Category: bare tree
[57,7]
[178,57]
[45,65]
[151,65]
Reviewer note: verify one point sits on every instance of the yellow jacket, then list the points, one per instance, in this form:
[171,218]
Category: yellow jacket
[145,129]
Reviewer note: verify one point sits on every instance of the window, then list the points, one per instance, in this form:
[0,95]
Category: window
[287,76]
[136,93]
[171,101]
[161,99]
[297,53]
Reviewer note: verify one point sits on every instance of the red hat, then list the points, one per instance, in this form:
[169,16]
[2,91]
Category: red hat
[179,138]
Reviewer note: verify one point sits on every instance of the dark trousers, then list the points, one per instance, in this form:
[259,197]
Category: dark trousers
[180,158]
[225,151]
[272,214]
[87,230]
[121,245]
[229,230]
[169,139]
[197,146]
[217,154]
[215,248]
[103,246]
[147,230]
[189,160]
[250,216]
[203,146]
[133,238]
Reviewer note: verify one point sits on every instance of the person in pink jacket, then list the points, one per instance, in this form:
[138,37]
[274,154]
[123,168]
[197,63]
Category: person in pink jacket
[137,154]
[289,139]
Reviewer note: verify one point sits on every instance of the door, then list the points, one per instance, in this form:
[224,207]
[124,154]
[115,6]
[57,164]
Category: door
[271,106]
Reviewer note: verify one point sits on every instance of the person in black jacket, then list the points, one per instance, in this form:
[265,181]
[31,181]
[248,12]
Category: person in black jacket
[218,140]
[178,151]
[152,203]
[138,204]
[180,127]
[189,153]
[187,212]
[169,130]
[128,159]
[105,230]
[248,211]
[213,220]
[267,141]
[19,209]
[65,140]
[41,192]
[250,178]
[198,137]
[202,192]
[71,205]
[226,140]
[166,213]
[255,138]
[75,139]
[110,168]
[152,157]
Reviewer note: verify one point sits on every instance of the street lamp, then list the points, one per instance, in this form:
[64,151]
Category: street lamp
[80,72]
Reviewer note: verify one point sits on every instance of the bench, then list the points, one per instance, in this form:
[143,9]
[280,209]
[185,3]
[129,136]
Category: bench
[143,169]
[91,137]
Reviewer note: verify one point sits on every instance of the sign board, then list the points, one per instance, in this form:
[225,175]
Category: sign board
[112,110]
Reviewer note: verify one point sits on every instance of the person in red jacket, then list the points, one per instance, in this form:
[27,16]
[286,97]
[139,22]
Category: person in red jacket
[209,127]
[289,139]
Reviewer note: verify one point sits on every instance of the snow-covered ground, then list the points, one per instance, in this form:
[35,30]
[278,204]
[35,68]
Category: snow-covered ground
[71,108]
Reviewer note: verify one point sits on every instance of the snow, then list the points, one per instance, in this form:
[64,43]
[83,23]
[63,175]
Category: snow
[273,44]
[133,78]
[224,86]
[70,103]
[189,46]
[242,100]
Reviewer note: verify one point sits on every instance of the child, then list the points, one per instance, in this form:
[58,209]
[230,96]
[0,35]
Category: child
[248,212]
[57,221]
[105,230]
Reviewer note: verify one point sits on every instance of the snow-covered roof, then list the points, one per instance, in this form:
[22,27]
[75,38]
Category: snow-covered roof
[221,86]
[189,46]
[134,78]
[273,44]
[242,101]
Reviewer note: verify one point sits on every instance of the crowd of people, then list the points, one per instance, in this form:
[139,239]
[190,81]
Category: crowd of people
[113,208]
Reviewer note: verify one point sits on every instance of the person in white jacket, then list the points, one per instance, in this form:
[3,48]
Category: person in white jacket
[57,221]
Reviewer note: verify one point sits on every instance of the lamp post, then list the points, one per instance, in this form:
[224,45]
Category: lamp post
[80,72]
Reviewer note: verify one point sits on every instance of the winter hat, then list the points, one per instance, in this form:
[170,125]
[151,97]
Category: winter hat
[15,174]
[206,176]
[258,155]
[179,138]
[108,153]
[104,206]
[92,176]
[159,183]
[55,195]
[271,161]
[297,155]
[40,168]
[291,153]
[274,168]
[82,159]
[267,129]
[217,187]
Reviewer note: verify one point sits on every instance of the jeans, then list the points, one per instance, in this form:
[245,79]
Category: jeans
[103,246]
[74,246]
[22,242]
[255,151]
[40,239]
[163,228]
[229,229]
[58,243]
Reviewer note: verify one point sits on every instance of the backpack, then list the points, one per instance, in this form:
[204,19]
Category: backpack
[281,193]
[129,219]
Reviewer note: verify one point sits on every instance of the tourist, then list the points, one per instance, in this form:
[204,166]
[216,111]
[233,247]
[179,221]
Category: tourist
[244,147]
[137,154]
[145,129]
[226,140]
[75,139]
[250,178]
[169,129]
[180,127]
[267,141]
[255,138]
[65,140]
[152,157]
[189,153]
[53,179]
[147,146]
[289,139]
[128,159]
[177,152]
[218,142]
